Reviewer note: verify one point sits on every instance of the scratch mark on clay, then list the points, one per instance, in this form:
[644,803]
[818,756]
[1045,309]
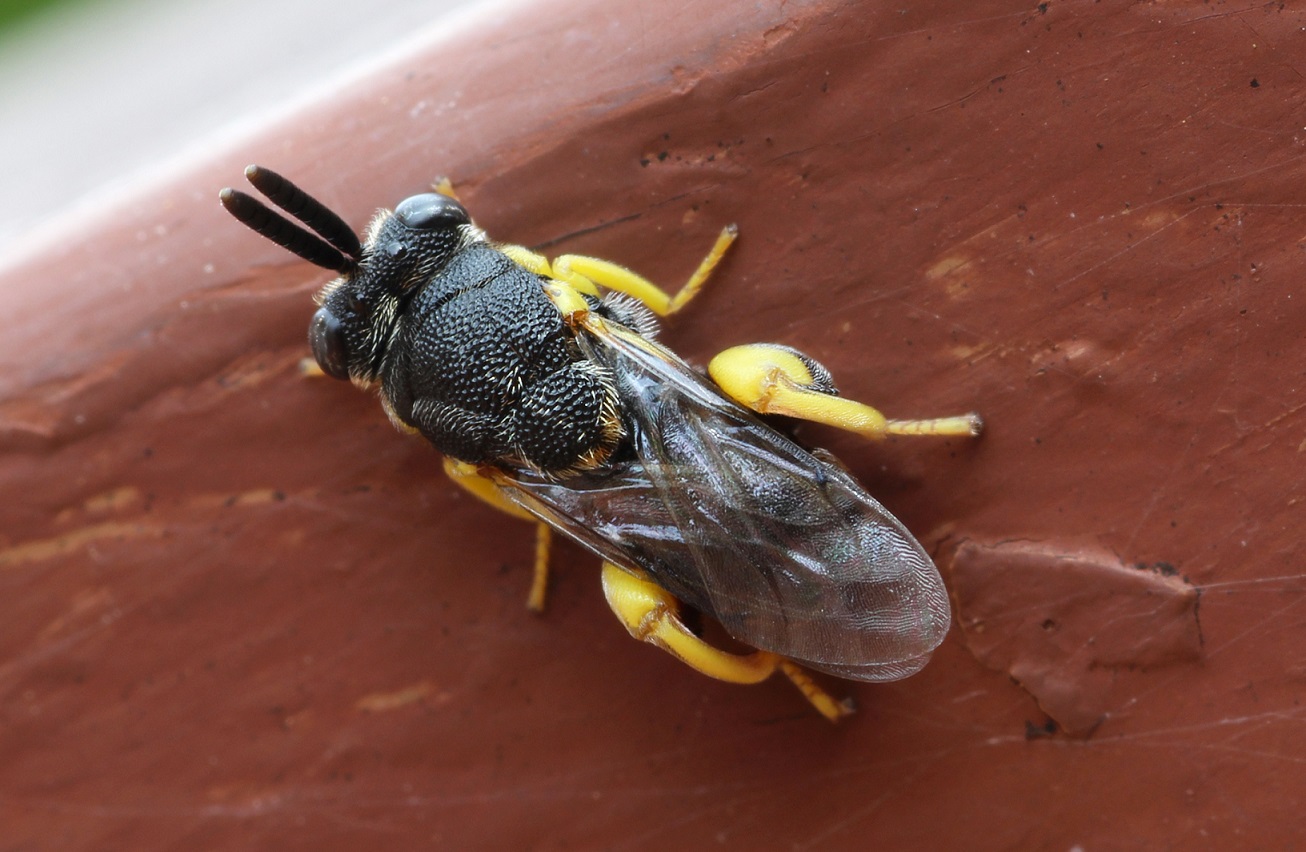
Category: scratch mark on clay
[381,702]
[1239,727]
[969,22]
[44,549]
[96,613]
[1288,580]
[1131,247]
[876,803]
[580,232]
[1270,620]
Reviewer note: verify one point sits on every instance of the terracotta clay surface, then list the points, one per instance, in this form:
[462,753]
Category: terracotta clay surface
[241,611]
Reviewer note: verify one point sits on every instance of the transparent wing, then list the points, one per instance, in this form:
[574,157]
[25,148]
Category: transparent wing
[778,544]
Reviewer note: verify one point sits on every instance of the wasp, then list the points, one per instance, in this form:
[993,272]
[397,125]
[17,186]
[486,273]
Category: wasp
[544,386]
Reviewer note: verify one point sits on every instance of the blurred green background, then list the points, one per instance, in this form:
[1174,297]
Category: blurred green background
[99,95]
[14,12]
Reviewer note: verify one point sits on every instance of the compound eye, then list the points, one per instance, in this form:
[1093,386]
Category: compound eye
[327,337]
[430,211]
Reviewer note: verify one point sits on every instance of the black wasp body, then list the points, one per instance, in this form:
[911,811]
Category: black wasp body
[466,346]
[551,400]
[484,367]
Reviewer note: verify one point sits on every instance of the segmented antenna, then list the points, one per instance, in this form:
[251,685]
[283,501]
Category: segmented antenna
[337,248]
[306,209]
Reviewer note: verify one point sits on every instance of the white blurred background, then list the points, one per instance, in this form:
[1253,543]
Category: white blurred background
[93,92]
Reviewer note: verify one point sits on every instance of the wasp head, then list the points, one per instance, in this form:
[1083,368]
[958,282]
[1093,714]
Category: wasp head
[351,331]
[358,311]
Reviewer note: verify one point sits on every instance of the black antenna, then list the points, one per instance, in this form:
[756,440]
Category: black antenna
[337,248]
[306,209]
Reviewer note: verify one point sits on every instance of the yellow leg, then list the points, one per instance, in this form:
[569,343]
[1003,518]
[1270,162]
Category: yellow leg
[469,479]
[538,595]
[775,380]
[613,277]
[467,476]
[587,274]
[535,262]
[652,615]
[444,186]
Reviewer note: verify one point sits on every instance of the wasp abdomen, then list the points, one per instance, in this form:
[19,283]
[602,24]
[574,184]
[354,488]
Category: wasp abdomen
[486,369]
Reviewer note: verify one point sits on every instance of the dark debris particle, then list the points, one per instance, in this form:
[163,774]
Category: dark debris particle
[1038,732]
[1165,569]
[1256,84]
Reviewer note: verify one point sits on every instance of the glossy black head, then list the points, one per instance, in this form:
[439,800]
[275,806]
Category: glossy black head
[351,331]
